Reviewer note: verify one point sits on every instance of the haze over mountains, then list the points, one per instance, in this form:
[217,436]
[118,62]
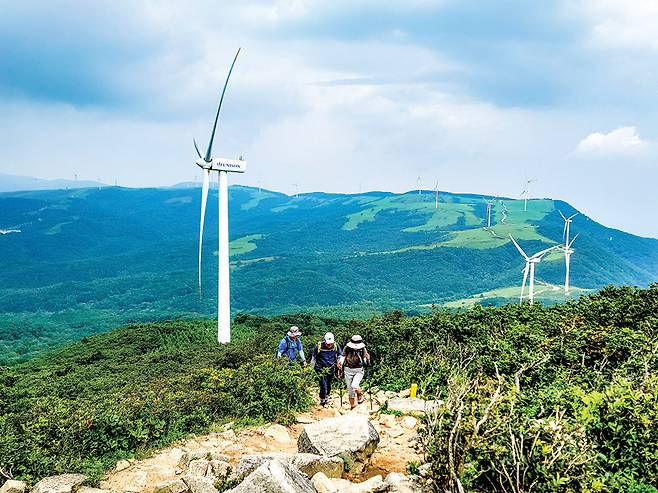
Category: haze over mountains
[84,261]
[13,183]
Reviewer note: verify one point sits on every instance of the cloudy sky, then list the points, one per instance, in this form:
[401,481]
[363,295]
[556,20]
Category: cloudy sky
[343,95]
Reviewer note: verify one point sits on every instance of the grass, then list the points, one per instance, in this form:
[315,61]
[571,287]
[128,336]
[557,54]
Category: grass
[244,244]
[543,292]
[256,199]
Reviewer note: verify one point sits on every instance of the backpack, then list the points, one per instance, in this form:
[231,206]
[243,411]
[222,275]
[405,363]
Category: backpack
[355,358]
[287,339]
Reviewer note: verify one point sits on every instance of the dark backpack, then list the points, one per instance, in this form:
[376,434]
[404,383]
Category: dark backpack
[287,339]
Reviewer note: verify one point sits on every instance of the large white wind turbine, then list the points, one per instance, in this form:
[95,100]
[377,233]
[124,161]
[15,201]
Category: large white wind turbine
[223,166]
[490,204]
[567,248]
[529,269]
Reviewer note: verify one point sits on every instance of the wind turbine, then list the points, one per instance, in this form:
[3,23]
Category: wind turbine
[223,167]
[490,204]
[524,194]
[530,263]
[567,248]
[436,195]
[418,184]
[296,185]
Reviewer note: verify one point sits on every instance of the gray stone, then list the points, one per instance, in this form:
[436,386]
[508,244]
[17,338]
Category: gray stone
[412,406]
[122,465]
[198,467]
[373,485]
[197,484]
[399,483]
[275,476]
[351,437]
[425,469]
[308,464]
[13,486]
[323,484]
[89,489]
[218,469]
[173,486]
[64,483]
[190,455]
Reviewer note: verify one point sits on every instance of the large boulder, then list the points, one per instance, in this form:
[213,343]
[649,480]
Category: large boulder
[13,486]
[399,483]
[275,476]
[198,484]
[412,406]
[64,483]
[308,464]
[171,486]
[373,485]
[351,437]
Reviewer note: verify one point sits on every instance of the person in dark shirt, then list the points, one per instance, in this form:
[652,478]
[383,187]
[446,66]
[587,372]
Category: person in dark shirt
[326,361]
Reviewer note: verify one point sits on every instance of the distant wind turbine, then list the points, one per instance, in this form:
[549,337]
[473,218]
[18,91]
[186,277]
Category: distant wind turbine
[223,167]
[530,263]
[296,185]
[567,248]
[525,193]
[418,184]
[490,204]
[436,194]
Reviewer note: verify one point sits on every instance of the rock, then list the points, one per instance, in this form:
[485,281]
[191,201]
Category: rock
[64,483]
[278,433]
[122,465]
[395,432]
[275,476]
[228,426]
[424,470]
[174,486]
[404,393]
[176,454]
[190,455]
[218,469]
[305,419]
[390,394]
[89,489]
[372,485]
[409,422]
[351,437]
[216,455]
[228,435]
[198,467]
[412,406]
[13,486]
[399,483]
[323,484]
[308,464]
[197,484]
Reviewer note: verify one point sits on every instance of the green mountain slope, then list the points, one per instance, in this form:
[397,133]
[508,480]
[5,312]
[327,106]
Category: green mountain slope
[83,261]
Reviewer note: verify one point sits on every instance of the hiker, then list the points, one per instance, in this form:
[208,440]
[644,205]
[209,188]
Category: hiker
[355,358]
[291,346]
[325,360]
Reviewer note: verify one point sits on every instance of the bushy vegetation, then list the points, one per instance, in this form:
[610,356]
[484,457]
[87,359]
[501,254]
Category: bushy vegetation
[536,399]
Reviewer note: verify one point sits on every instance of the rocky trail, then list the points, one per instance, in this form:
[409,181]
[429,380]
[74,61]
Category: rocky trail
[330,449]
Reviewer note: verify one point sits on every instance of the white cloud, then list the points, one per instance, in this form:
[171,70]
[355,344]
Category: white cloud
[623,140]
[622,23]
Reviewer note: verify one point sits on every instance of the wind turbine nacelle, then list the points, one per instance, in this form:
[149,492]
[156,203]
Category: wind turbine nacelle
[230,165]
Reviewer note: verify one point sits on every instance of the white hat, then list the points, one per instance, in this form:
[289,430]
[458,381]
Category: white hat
[294,331]
[356,342]
[329,338]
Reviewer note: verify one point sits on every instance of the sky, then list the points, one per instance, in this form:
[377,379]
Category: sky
[343,96]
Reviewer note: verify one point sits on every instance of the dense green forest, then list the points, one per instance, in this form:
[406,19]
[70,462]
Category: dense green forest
[560,398]
[88,260]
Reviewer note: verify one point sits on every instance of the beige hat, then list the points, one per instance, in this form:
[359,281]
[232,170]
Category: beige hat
[294,331]
[356,342]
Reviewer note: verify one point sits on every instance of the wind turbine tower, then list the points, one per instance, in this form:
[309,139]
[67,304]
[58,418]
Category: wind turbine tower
[436,194]
[418,184]
[524,194]
[223,167]
[529,269]
[490,204]
[567,248]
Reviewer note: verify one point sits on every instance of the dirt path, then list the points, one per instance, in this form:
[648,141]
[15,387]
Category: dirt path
[395,449]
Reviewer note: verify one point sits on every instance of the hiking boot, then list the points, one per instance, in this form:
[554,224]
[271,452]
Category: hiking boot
[359,397]
[352,402]
[324,402]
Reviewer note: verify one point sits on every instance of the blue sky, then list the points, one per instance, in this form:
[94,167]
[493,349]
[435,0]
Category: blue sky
[343,95]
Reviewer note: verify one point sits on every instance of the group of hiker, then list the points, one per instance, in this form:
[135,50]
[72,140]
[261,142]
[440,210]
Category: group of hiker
[330,361]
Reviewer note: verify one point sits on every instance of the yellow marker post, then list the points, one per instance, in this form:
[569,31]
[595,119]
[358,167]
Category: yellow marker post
[413,390]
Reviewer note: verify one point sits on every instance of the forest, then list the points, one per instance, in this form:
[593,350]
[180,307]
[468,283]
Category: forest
[560,398]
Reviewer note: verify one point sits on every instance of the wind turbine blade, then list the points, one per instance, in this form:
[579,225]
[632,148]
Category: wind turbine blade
[197,149]
[572,216]
[562,215]
[204,200]
[544,252]
[572,240]
[518,248]
[219,108]
[525,279]
[564,231]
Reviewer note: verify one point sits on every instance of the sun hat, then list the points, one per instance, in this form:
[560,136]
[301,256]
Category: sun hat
[294,331]
[329,338]
[356,342]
